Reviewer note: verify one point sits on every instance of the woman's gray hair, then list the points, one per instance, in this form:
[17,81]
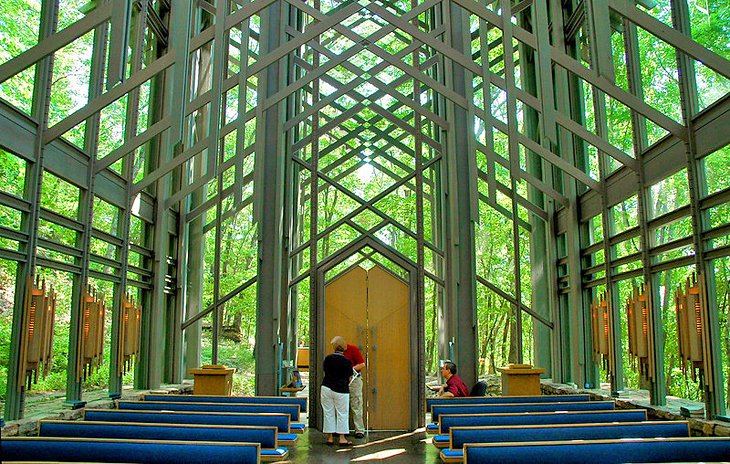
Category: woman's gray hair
[339,343]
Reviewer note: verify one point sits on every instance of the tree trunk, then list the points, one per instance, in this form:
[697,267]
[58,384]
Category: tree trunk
[431,342]
[513,342]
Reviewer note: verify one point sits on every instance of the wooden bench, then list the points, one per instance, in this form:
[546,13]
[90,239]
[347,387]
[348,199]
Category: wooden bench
[267,437]
[291,409]
[446,421]
[439,409]
[300,400]
[280,421]
[601,451]
[454,442]
[504,399]
[66,449]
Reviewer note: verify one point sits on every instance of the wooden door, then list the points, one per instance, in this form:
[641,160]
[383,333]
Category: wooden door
[389,375]
[370,309]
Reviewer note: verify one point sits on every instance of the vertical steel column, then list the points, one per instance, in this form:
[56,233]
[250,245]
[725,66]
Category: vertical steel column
[515,353]
[270,166]
[538,80]
[15,396]
[139,20]
[567,89]
[640,141]
[420,276]
[215,159]
[175,93]
[598,27]
[462,207]
[713,388]
[315,321]
[86,205]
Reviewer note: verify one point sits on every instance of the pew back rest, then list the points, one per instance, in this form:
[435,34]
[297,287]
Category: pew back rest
[556,432]
[109,450]
[603,451]
[266,436]
[446,421]
[302,401]
[291,409]
[437,410]
[505,399]
[280,421]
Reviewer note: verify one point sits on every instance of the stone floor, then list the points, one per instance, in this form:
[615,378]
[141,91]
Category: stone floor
[388,447]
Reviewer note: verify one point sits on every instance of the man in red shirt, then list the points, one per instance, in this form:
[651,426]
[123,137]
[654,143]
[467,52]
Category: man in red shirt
[454,385]
[358,364]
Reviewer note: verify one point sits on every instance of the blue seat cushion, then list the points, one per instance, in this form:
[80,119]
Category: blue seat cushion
[437,410]
[276,454]
[264,435]
[291,409]
[300,400]
[288,437]
[556,432]
[504,399]
[449,455]
[603,451]
[447,421]
[441,441]
[105,450]
[280,421]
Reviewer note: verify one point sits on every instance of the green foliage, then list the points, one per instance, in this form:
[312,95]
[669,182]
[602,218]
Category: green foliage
[717,169]
[235,355]
[19,23]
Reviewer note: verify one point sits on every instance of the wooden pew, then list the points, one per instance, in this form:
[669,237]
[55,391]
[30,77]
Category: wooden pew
[439,409]
[454,442]
[267,437]
[446,421]
[505,399]
[300,400]
[280,421]
[291,409]
[66,449]
[693,449]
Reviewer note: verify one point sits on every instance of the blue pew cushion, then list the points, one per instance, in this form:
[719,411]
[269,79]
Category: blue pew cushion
[451,456]
[297,427]
[504,399]
[109,450]
[300,400]
[439,409]
[432,428]
[441,441]
[555,432]
[447,421]
[291,409]
[288,437]
[272,455]
[265,435]
[610,451]
[281,421]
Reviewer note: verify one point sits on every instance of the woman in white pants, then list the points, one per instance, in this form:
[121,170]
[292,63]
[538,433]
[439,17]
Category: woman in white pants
[335,395]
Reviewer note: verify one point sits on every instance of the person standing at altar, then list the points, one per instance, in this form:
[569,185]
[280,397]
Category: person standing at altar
[356,403]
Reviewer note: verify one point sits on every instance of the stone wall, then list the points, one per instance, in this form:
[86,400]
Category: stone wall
[640,400]
[29,426]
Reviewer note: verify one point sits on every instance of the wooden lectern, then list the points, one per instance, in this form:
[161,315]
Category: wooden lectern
[302,358]
[520,379]
[213,379]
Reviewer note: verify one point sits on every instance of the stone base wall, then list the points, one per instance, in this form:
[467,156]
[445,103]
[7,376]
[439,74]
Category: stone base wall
[29,427]
[639,400]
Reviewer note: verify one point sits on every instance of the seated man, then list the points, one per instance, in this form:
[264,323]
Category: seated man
[454,385]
